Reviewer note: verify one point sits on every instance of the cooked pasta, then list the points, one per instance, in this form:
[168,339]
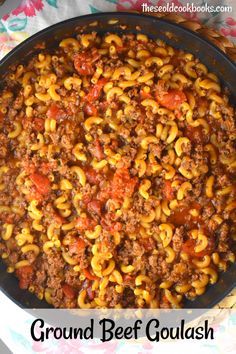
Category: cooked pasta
[117,174]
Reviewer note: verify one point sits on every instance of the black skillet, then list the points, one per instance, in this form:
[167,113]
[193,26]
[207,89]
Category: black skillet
[174,35]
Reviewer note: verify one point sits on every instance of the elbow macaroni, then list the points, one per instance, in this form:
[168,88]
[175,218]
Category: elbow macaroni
[117,161]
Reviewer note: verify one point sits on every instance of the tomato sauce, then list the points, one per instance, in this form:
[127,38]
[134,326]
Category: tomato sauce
[196,134]
[182,216]
[123,184]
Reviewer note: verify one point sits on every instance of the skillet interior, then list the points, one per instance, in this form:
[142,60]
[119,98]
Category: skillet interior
[174,35]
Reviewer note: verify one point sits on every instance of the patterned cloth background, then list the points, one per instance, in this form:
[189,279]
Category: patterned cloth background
[34,15]
[15,332]
[28,18]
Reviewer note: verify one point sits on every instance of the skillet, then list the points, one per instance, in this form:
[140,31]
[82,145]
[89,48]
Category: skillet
[174,35]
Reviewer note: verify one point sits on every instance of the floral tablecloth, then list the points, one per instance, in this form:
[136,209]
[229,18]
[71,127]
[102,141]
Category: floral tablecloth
[28,18]
[34,15]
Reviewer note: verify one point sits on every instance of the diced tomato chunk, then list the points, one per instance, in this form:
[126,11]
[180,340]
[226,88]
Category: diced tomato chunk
[83,62]
[89,275]
[171,99]
[55,112]
[168,191]
[95,207]
[96,90]
[83,65]
[92,176]
[85,223]
[69,291]
[182,216]
[123,184]
[41,182]
[25,275]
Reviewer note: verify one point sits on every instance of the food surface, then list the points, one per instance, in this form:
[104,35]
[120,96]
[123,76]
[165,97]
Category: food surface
[117,174]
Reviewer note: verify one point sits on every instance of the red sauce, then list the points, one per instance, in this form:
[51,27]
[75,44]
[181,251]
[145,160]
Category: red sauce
[189,248]
[196,134]
[83,62]
[167,191]
[84,223]
[182,216]
[55,112]
[123,184]
[77,246]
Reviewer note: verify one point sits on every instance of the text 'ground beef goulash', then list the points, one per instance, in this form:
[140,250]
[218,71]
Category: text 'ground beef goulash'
[117,174]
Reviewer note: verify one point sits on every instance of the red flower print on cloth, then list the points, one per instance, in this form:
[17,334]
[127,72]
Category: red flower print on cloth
[229,27]
[230,21]
[225,31]
[5,17]
[233,32]
[28,7]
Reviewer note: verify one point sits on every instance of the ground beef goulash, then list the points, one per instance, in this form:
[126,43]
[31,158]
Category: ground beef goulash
[117,174]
